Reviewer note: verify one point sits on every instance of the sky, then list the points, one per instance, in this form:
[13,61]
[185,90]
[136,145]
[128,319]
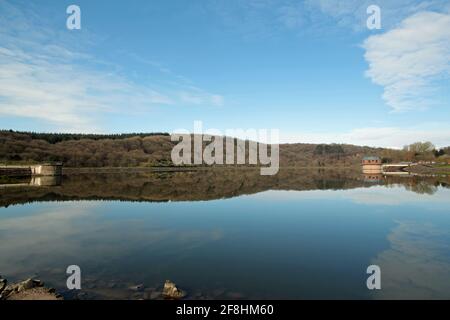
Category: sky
[311,68]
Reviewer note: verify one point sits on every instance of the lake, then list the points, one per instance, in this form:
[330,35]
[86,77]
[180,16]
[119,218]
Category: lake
[230,234]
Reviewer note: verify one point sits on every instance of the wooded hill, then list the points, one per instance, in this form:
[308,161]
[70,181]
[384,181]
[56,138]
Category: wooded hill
[154,149]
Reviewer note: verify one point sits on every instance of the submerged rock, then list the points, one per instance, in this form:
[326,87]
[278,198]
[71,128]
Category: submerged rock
[171,291]
[155,295]
[138,287]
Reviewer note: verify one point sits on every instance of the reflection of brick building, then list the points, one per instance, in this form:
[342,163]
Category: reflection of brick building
[373,177]
[371,165]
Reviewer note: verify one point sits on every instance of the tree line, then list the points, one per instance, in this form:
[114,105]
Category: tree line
[53,138]
[425,151]
[154,149]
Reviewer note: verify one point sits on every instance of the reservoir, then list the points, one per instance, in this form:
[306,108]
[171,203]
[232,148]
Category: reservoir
[231,234]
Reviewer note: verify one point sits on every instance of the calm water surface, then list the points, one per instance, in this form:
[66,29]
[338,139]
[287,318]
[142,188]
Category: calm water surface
[258,239]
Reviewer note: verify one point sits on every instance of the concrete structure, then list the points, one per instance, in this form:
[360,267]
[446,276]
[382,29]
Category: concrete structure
[373,166]
[35,181]
[45,181]
[396,168]
[46,169]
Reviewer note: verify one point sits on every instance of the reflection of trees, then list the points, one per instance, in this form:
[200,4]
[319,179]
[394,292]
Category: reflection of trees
[422,187]
[325,184]
[204,185]
[444,184]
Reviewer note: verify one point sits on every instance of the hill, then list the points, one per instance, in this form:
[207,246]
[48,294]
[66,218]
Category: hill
[154,149]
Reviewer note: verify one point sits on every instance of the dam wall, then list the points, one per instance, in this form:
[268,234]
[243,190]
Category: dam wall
[46,170]
[31,170]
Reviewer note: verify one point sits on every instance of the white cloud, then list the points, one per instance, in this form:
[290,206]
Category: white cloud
[408,60]
[389,137]
[44,77]
[35,85]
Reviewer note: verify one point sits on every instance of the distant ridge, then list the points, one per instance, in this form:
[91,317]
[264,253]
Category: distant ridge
[59,137]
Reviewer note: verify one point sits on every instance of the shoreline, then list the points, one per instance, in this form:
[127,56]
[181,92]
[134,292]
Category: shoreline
[71,170]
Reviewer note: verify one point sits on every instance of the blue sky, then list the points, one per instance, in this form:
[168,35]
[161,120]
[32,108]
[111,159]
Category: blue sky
[309,68]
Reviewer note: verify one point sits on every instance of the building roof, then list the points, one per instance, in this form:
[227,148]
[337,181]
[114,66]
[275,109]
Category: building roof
[371,158]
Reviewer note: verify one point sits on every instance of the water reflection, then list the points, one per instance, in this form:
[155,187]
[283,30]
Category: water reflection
[199,185]
[300,235]
[417,264]
[33,181]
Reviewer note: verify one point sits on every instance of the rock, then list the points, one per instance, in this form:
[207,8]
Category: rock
[27,284]
[155,295]
[92,286]
[137,296]
[29,289]
[3,285]
[171,291]
[138,287]
[81,296]
[37,293]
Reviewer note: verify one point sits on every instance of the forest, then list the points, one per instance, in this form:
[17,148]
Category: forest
[154,149]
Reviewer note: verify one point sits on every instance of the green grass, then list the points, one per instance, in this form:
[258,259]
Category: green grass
[442,166]
[442,169]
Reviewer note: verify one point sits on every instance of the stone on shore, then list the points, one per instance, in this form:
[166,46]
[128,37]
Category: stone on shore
[29,289]
[171,291]
[3,284]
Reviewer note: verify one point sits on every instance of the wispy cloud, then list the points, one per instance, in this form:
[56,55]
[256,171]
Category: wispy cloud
[408,60]
[390,137]
[264,18]
[352,13]
[43,77]
[199,97]
[35,85]
[184,90]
